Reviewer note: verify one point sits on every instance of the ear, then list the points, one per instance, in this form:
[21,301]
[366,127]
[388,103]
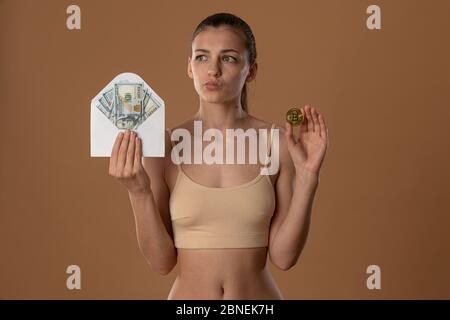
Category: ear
[189,69]
[252,72]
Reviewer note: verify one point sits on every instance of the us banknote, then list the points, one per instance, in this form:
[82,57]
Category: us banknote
[127,105]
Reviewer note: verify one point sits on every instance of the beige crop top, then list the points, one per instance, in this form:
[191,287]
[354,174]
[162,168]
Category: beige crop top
[229,217]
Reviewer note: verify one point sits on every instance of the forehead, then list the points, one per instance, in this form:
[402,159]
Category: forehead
[222,37]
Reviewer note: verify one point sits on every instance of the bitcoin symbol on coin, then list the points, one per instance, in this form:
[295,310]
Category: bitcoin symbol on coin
[294,116]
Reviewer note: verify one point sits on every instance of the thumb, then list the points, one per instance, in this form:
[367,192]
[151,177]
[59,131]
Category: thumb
[289,135]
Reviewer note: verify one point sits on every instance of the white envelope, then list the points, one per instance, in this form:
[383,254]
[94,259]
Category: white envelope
[151,131]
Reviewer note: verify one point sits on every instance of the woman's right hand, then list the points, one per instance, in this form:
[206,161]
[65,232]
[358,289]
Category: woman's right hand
[126,165]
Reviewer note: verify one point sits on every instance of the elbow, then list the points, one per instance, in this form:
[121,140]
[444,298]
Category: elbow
[163,270]
[283,265]
[167,266]
[163,266]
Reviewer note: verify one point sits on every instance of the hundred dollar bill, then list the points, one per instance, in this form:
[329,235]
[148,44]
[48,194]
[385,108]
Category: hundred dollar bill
[105,107]
[105,104]
[109,96]
[106,112]
[128,104]
[150,105]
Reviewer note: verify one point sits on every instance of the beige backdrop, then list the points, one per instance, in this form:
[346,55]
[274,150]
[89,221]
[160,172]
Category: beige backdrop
[383,194]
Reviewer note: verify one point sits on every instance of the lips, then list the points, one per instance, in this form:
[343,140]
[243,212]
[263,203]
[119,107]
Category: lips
[212,85]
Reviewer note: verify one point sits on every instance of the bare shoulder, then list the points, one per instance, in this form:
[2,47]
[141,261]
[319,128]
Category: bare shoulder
[257,123]
[187,124]
[262,124]
[284,156]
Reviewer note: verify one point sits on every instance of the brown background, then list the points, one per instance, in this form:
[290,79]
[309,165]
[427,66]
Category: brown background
[383,194]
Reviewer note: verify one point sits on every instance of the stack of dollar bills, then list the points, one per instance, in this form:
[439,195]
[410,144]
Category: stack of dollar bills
[127,105]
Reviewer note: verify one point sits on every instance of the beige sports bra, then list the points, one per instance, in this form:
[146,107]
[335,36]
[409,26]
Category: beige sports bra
[228,217]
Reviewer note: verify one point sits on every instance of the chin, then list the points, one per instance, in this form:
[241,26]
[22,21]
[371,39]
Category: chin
[213,98]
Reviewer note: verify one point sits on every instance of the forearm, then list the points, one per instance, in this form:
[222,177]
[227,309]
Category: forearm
[154,241]
[293,232]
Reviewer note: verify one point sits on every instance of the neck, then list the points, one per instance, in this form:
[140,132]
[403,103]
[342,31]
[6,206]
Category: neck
[220,115]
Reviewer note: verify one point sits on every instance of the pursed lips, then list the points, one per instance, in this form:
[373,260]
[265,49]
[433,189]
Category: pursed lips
[212,85]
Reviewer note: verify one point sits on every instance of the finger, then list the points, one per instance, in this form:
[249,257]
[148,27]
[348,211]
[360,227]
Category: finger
[115,150]
[289,134]
[137,154]
[323,127]
[303,125]
[309,119]
[288,127]
[315,120]
[130,152]
[123,150]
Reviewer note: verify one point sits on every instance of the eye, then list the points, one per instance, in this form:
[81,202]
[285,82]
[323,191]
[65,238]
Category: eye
[199,57]
[230,58]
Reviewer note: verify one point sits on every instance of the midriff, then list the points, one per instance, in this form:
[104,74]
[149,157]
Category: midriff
[228,274]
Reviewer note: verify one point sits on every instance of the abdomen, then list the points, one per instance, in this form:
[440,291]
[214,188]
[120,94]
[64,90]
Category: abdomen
[224,274]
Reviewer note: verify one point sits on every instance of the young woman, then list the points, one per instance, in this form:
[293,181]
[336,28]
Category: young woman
[220,222]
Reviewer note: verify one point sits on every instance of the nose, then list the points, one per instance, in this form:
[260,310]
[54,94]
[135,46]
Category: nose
[213,69]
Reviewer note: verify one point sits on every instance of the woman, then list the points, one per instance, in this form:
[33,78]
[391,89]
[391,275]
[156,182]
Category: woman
[225,221]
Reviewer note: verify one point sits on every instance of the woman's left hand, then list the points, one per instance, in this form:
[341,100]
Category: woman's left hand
[309,151]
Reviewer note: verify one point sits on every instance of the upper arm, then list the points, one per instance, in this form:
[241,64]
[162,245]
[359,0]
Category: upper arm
[283,187]
[155,168]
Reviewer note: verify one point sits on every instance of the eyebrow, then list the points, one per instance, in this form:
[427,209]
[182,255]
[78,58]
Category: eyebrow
[225,50]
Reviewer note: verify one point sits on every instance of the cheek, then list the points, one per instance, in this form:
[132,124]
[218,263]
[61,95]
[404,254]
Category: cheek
[237,79]
[196,74]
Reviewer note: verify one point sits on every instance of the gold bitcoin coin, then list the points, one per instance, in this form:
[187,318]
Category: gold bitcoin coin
[295,116]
